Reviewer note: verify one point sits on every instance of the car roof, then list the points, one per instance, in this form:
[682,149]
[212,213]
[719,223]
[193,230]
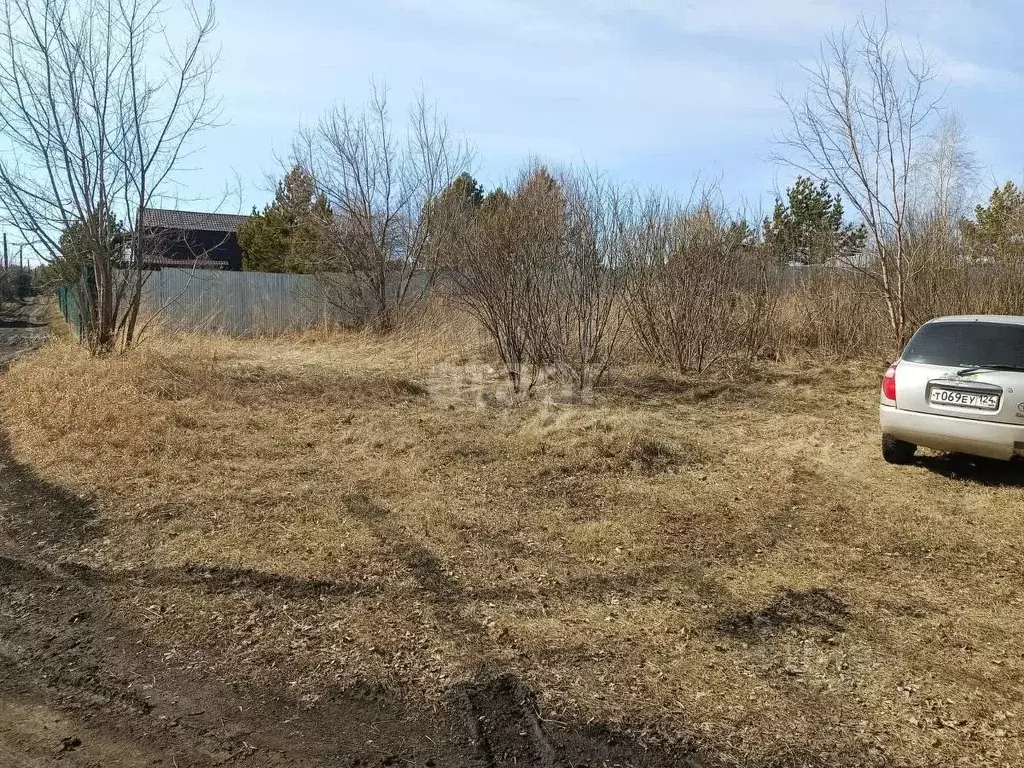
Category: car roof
[1001,319]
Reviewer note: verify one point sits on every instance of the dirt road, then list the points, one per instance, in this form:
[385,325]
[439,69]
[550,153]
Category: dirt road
[79,688]
[23,326]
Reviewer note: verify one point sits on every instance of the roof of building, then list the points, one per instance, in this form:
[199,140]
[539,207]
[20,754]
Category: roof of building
[193,220]
[166,261]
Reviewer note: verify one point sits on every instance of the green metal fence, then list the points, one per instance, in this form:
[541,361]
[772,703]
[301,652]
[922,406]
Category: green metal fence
[68,301]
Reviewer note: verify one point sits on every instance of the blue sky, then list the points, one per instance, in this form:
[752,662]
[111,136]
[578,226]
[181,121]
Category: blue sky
[656,92]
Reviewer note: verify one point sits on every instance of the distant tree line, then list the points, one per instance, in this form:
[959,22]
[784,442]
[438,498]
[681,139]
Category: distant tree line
[558,264]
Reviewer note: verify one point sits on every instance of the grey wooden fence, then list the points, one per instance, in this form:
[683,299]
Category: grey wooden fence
[235,302]
[253,303]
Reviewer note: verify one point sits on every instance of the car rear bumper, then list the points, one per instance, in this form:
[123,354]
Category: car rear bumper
[947,433]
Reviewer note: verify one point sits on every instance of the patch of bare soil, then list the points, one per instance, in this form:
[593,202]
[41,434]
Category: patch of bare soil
[80,687]
[792,608]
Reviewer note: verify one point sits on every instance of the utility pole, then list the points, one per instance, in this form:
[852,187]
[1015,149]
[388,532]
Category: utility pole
[7,263]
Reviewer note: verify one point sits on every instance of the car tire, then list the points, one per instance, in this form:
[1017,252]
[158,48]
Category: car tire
[897,451]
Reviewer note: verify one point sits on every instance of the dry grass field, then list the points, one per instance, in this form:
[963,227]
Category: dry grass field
[727,562]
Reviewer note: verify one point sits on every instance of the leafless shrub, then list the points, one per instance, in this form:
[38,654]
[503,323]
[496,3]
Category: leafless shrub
[837,313]
[684,293]
[941,279]
[999,286]
[828,312]
[538,220]
[760,296]
[501,264]
[542,270]
[589,278]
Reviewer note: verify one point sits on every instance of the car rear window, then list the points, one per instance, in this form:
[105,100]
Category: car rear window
[967,344]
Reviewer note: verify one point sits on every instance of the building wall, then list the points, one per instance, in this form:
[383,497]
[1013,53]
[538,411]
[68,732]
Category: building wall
[189,245]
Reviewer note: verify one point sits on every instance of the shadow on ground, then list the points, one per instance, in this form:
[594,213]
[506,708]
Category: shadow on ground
[20,324]
[54,516]
[975,469]
[790,608]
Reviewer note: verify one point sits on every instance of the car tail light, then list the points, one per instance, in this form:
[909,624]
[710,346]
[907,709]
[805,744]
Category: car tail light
[889,383]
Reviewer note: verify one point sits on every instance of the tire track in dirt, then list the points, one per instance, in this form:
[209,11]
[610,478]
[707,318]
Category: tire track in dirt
[62,648]
[502,716]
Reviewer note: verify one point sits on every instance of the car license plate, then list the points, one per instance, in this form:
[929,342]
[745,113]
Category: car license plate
[964,399]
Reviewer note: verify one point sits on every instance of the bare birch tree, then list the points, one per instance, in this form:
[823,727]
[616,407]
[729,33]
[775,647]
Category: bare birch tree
[860,126]
[379,186]
[947,173]
[944,280]
[98,107]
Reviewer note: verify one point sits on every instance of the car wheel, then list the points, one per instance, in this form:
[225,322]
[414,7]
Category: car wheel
[897,451]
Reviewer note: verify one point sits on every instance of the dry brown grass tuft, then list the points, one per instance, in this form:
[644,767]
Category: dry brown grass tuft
[730,561]
[600,439]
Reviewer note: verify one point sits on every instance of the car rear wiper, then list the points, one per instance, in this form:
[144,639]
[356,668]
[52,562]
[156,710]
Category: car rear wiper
[976,368]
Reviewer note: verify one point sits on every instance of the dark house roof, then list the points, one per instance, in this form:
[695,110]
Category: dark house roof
[191,220]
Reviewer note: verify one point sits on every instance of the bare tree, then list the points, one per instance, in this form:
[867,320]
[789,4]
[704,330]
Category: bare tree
[860,126]
[944,280]
[379,187]
[948,173]
[99,106]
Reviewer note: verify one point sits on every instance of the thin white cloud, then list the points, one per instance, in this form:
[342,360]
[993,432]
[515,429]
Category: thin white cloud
[968,73]
[535,22]
[760,20]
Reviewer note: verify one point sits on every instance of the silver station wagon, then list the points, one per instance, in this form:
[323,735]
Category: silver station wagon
[958,387]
